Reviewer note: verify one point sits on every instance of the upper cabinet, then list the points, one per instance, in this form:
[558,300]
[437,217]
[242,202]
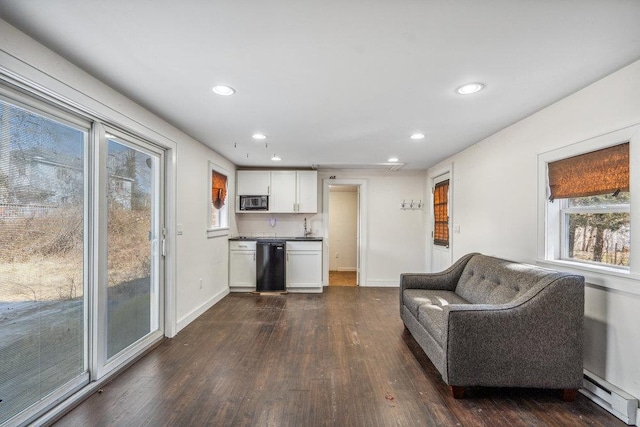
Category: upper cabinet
[307,191]
[289,191]
[253,183]
[283,191]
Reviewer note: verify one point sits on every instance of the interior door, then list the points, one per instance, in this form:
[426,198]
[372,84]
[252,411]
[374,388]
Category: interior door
[440,224]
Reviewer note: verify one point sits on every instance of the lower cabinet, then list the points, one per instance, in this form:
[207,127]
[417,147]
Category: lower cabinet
[242,266]
[304,266]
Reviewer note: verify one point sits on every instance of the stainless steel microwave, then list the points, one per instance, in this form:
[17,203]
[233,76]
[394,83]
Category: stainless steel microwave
[254,203]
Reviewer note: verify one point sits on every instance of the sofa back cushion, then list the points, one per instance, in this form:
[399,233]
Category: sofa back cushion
[489,280]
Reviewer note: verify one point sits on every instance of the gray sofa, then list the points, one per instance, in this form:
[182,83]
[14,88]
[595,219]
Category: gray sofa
[490,322]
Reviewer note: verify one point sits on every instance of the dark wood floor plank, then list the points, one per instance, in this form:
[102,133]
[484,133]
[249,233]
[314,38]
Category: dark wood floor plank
[338,358]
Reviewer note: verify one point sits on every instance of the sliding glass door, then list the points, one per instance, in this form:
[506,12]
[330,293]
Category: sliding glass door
[134,236]
[43,293]
[81,252]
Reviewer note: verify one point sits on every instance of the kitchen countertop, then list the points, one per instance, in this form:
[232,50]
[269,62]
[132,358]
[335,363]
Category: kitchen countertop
[285,238]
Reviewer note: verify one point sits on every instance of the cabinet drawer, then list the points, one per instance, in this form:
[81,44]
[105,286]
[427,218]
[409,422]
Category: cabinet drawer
[242,245]
[296,245]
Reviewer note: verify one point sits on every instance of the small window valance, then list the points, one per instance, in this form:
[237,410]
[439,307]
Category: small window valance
[218,189]
[604,171]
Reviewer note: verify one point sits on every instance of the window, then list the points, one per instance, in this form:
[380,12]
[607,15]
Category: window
[591,191]
[441,214]
[218,201]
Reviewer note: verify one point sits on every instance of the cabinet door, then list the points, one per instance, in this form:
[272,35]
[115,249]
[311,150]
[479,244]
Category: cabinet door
[242,269]
[283,191]
[307,192]
[304,269]
[253,183]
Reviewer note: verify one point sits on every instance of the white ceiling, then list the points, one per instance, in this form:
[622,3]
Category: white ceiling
[336,83]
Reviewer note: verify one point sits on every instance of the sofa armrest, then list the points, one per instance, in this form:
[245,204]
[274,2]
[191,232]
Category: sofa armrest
[535,341]
[447,279]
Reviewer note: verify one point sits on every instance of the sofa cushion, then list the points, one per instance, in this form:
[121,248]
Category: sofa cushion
[426,306]
[488,280]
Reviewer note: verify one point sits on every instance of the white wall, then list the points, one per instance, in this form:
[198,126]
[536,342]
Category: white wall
[193,256]
[395,239]
[200,257]
[343,211]
[495,205]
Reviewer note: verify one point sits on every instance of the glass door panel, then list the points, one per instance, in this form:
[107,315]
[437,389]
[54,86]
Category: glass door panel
[133,232]
[43,338]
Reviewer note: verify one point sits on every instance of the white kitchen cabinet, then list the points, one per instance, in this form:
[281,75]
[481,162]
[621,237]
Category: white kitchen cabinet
[242,266]
[283,191]
[294,192]
[304,266]
[307,191]
[289,191]
[253,183]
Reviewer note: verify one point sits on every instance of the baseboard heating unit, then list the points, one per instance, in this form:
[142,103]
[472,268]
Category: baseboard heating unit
[610,397]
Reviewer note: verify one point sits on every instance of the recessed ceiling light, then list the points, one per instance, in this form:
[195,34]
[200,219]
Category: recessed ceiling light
[417,136]
[276,158]
[259,136]
[470,88]
[393,159]
[223,90]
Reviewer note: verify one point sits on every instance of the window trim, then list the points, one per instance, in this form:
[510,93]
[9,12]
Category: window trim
[548,247]
[223,230]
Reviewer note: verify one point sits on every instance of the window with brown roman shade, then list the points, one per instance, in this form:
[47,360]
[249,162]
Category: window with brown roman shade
[218,189]
[441,213]
[604,171]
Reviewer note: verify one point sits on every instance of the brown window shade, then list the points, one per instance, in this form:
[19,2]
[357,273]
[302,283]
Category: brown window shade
[441,214]
[218,189]
[599,172]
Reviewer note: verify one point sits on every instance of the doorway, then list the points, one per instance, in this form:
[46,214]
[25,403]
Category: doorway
[343,235]
[345,220]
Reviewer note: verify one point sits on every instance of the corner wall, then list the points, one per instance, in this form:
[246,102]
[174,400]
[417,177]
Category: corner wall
[495,205]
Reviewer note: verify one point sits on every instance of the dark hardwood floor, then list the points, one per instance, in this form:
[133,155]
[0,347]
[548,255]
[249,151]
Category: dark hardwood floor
[341,358]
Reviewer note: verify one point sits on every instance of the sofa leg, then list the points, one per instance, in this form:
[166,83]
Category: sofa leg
[569,394]
[457,391]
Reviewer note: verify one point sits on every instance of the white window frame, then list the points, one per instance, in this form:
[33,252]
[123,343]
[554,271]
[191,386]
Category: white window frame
[550,215]
[563,230]
[223,229]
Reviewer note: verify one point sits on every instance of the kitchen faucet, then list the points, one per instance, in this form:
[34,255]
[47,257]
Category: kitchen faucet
[306,232]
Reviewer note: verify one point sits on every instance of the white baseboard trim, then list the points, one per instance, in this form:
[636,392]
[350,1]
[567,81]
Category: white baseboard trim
[380,284]
[200,310]
[346,269]
[305,290]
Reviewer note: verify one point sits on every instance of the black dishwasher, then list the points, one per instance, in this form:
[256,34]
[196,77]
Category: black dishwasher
[270,265]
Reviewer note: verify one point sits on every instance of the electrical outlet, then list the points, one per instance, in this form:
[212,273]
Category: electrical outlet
[337,255]
[200,283]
